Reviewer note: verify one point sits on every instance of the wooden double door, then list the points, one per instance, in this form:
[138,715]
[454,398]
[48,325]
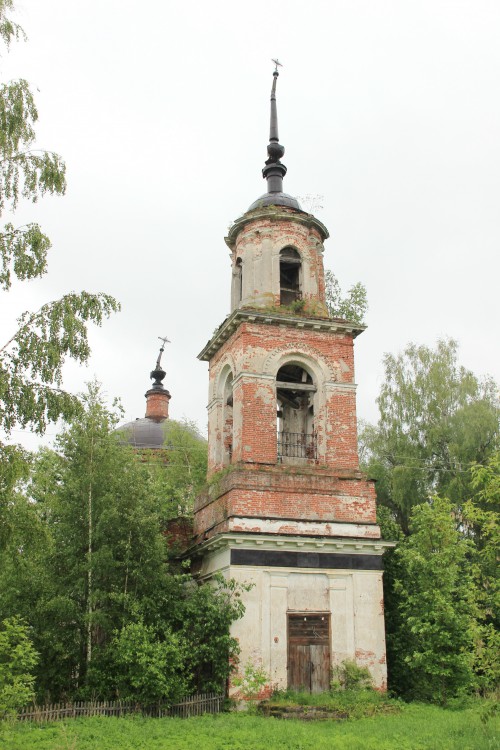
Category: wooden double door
[309,652]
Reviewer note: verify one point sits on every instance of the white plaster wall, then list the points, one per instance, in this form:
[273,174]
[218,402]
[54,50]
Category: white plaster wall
[215,409]
[369,630]
[352,598]
[306,528]
[216,562]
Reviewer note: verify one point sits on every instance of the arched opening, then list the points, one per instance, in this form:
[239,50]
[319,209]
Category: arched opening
[238,280]
[227,420]
[295,414]
[237,284]
[290,276]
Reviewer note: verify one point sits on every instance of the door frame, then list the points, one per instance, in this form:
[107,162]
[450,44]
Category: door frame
[298,613]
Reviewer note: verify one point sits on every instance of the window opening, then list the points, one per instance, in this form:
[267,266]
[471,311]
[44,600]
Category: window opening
[295,414]
[239,280]
[227,426]
[290,272]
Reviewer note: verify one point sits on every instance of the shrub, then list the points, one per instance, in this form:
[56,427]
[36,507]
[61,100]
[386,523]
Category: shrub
[252,681]
[349,676]
[18,658]
[149,668]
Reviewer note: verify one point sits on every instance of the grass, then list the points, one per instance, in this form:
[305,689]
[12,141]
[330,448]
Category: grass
[353,704]
[415,727]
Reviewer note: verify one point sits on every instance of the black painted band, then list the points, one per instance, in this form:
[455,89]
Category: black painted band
[322,560]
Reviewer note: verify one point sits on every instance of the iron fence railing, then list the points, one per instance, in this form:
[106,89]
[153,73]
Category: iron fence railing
[296,445]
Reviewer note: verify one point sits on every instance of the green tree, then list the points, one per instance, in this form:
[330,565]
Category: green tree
[204,617]
[18,659]
[32,356]
[14,469]
[431,629]
[186,647]
[87,546]
[149,668]
[178,471]
[481,523]
[436,420]
[106,552]
[352,307]
[87,559]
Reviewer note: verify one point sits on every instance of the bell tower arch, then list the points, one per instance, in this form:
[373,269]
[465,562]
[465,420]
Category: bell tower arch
[286,506]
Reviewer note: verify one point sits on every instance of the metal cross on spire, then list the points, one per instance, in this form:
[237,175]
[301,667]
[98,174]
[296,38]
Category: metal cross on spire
[277,63]
[164,341]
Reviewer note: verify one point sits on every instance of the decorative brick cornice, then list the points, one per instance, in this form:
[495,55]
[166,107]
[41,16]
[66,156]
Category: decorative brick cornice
[233,321]
[274,213]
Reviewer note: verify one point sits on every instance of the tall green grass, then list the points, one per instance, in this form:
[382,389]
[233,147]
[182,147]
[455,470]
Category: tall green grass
[352,704]
[416,727]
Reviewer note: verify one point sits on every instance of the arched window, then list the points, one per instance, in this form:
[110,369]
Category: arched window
[227,420]
[295,414]
[290,276]
[238,280]
[237,284]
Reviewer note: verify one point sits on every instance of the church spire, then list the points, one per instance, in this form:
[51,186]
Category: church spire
[274,171]
[157,397]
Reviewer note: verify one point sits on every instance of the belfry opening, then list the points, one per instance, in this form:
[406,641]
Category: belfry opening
[290,270]
[295,392]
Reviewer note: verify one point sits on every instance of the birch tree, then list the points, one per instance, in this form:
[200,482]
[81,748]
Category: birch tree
[437,419]
[32,355]
[107,554]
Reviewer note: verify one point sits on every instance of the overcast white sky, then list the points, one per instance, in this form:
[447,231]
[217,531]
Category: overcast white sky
[389,110]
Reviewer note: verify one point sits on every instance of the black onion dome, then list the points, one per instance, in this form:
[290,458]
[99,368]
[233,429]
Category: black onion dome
[276,199]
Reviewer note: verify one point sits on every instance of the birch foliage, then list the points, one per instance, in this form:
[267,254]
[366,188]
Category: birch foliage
[33,354]
[352,306]
[437,419]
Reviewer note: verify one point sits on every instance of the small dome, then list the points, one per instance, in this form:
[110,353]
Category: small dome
[276,199]
[151,434]
[143,433]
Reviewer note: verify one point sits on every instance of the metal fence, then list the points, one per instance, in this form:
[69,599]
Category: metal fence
[296,445]
[195,705]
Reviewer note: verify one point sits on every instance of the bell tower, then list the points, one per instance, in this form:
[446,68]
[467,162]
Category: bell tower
[286,507]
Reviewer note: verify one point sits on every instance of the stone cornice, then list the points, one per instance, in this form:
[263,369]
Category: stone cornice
[253,376]
[331,545]
[233,321]
[274,213]
[335,386]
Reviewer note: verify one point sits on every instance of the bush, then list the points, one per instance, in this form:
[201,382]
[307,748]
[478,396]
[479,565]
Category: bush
[18,658]
[251,681]
[349,676]
[149,669]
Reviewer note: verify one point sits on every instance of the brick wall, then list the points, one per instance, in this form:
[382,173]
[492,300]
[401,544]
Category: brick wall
[312,494]
[256,352]
[319,486]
